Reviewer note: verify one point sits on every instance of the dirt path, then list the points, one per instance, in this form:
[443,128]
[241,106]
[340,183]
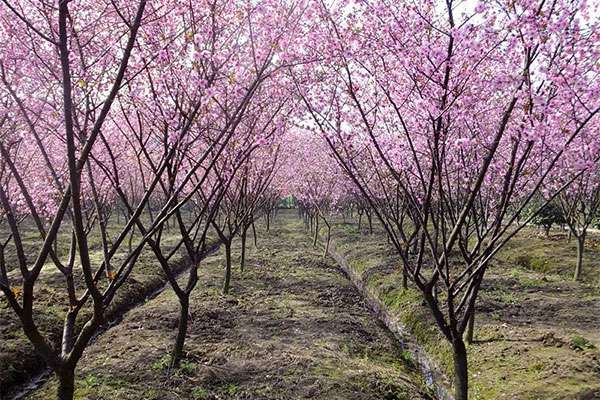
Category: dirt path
[293,328]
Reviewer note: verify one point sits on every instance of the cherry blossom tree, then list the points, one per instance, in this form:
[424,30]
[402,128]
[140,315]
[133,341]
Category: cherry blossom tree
[62,81]
[467,111]
[580,202]
[316,180]
[445,122]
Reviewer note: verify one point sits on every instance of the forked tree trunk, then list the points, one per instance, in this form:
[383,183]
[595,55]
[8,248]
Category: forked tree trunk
[66,383]
[461,377]
[580,250]
[184,310]
[227,281]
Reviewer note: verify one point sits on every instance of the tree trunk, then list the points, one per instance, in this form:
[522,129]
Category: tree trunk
[470,328]
[316,232]
[227,267]
[326,251]
[254,233]
[415,246]
[66,383]
[184,310]
[461,377]
[404,279]
[268,221]
[243,253]
[580,249]
[130,242]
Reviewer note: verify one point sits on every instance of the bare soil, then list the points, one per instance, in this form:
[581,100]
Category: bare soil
[292,327]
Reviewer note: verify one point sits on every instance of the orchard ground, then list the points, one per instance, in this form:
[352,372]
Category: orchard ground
[537,332]
[18,359]
[294,327]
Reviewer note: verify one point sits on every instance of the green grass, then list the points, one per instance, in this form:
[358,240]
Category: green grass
[580,343]
[200,393]
[530,250]
[507,360]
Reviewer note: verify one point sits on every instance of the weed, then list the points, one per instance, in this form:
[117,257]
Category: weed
[200,393]
[407,359]
[524,280]
[89,382]
[532,263]
[580,343]
[537,367]
[162,363]
[152,394]
[187,367]
[502,296]
[232,389]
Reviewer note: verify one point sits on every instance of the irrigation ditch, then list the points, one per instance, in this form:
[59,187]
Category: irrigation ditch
[435,379]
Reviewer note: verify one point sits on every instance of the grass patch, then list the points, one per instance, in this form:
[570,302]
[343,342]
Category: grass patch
[200,393]
[525,280]
[533,263]
[186,367]
[580,343]
[232,389]
[528,289]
